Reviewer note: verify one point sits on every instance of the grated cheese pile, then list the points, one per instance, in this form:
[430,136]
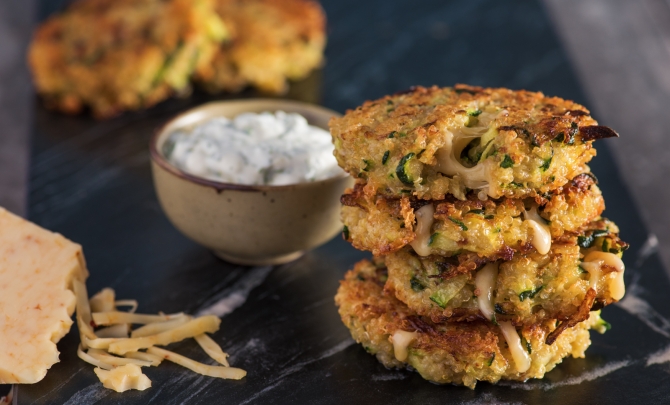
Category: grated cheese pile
[118,352]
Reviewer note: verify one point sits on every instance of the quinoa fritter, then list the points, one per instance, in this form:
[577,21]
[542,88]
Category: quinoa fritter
[460,353]
[116,55]
[490,228]
[435,141]
[272,41]
[530,288]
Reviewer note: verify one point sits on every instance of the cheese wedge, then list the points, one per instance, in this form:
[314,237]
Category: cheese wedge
[36,299]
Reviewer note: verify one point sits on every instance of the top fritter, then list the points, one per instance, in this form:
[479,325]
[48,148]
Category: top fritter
[436,141]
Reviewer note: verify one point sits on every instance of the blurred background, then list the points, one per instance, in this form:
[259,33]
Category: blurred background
[619,51]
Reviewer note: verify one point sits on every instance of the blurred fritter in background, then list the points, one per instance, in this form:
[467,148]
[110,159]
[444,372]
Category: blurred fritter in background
[118,55]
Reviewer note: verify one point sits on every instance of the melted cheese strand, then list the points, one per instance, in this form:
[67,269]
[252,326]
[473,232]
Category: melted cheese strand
[594,274]
[607,258]
[424,221]
[401,340]
[475,177]
[598,259]
[116,331]
[520,356]
[485,281]
[541,233]
[231,373]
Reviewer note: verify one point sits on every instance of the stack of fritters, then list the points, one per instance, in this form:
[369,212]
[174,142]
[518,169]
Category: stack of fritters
[491,258]
[118,55]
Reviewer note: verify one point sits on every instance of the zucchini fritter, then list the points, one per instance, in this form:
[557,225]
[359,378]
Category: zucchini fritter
[461,352]
[272,41]
[116,55]
[528,289]
[435,141]
[490,228]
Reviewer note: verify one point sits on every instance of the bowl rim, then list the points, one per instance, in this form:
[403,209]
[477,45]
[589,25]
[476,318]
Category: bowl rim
[158,157]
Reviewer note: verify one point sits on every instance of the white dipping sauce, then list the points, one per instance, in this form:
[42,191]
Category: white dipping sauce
[256,149]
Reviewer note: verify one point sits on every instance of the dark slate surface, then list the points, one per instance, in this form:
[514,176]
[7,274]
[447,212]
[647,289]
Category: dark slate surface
[16,24]
[91,182]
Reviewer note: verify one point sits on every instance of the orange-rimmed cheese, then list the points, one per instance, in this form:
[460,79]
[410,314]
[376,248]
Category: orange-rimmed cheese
[36,299]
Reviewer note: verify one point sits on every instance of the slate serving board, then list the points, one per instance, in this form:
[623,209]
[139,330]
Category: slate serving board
[91,182]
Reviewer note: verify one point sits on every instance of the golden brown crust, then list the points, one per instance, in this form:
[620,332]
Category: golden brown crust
[273,40]
[492,228]
[474,180]
[578,316]
[460,353]
[531,287]
[536,142]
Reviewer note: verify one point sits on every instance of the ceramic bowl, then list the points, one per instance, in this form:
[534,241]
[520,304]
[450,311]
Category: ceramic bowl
[251,225]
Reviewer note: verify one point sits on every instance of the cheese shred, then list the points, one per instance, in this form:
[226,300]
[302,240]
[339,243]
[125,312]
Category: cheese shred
[92,360]
[153,359]
[116,317]
[118,358]
[127,303]
[158,327]
[116,361]
[229,373]
[212,349]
